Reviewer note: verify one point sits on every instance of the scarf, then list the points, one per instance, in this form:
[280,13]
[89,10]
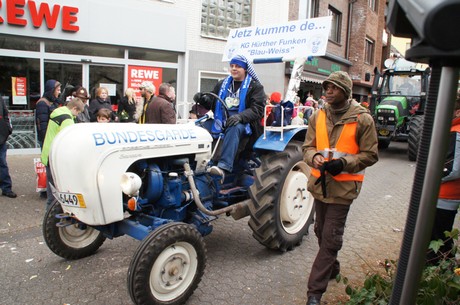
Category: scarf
[218,115]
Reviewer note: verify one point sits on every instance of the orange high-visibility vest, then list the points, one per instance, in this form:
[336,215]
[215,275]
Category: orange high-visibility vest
[346,145]
[451,189]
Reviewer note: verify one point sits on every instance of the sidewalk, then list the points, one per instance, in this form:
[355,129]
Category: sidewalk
[239,270]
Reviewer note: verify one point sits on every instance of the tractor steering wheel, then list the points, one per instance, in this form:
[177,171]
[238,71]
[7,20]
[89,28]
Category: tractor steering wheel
[226,113]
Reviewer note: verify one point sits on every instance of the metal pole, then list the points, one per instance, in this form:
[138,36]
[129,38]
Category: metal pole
[437,153]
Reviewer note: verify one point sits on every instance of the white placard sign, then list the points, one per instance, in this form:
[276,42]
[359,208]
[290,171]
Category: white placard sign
[111,88]
[299,38]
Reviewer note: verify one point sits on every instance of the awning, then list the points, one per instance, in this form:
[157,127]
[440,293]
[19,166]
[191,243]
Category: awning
[312,78]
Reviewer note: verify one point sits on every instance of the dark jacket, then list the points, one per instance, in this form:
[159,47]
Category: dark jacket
[254,112]
[160,111]
[43,109]
[84,117]
[5,125]
[97,104]
[129,108]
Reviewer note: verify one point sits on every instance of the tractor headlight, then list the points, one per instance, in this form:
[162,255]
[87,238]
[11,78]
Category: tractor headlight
[391,119]
[380,118]
[392,111]
[130,183]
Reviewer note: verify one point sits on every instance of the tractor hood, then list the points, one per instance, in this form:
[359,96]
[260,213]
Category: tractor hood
[88,159]
[398,104]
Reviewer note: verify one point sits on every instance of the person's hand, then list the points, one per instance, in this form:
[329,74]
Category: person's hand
[233,120]
[318,161]
[334,167]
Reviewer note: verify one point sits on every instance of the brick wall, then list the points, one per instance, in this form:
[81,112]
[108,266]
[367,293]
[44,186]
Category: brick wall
[366,23]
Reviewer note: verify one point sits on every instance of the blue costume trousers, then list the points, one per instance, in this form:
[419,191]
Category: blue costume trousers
[232,139]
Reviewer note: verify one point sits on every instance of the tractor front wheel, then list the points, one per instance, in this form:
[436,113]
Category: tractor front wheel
[383,144]
[415,135]
[167,266]
[73,241]
[281,209]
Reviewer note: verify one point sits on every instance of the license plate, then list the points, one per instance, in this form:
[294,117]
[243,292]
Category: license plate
[71,200]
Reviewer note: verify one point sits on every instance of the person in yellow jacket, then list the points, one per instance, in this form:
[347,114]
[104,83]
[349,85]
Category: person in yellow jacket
[449,193]
[60,118]
[341,142]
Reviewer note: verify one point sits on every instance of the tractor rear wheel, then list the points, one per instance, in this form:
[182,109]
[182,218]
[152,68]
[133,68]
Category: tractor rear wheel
[415,135]
[73,241]
[281,209]
[167,265]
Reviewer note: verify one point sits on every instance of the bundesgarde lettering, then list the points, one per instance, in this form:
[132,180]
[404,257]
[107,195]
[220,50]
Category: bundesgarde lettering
[141,136]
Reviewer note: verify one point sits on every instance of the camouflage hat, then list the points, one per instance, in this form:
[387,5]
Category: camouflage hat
[340,79]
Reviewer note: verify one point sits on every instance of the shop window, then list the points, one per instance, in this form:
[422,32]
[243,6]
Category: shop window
[153,55]
[207,84]
[369,51]
[308,9]
[336,26]
[22,43]
[218,17]
[373,4]
[80,48]
[27,68]
[209,80]
[22,119]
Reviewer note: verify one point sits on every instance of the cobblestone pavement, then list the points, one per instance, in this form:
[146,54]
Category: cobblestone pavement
[239,270]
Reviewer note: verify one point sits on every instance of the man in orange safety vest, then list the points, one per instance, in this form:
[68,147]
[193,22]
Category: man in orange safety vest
[341,142]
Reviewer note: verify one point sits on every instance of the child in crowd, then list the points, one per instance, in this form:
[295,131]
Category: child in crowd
[103,115]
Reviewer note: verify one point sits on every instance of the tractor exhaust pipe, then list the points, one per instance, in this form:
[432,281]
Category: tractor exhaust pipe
[238,210]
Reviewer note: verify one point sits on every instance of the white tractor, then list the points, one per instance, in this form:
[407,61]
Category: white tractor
[150,182]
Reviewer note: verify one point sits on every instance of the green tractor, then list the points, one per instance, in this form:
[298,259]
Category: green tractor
[398,100]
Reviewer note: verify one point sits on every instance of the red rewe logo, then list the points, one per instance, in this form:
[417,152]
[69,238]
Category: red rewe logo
[21,12]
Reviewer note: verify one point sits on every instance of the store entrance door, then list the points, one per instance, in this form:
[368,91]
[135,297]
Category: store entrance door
[107,76]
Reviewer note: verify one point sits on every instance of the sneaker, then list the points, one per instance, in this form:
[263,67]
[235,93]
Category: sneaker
[9,194]
[313,301]
[216,171]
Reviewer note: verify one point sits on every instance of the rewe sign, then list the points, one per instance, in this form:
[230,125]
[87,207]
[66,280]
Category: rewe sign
[21,13]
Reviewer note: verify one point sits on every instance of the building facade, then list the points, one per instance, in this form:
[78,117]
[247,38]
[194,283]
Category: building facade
[118,44]
[357,42]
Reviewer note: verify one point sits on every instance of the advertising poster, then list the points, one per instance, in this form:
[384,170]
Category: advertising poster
[287,41]
[19,90]
[138,74]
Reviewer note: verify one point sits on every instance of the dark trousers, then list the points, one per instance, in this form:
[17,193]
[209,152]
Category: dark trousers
[443,221]
[5,178]
[49,179]
[329,228]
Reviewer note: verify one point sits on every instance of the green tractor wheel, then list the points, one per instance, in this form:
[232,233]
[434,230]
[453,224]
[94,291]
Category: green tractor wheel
[415,134]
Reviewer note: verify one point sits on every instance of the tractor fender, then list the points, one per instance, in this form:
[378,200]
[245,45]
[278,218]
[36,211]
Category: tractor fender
[278,140]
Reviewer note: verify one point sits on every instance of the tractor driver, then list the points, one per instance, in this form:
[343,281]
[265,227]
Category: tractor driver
[406,87]
[244,96]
